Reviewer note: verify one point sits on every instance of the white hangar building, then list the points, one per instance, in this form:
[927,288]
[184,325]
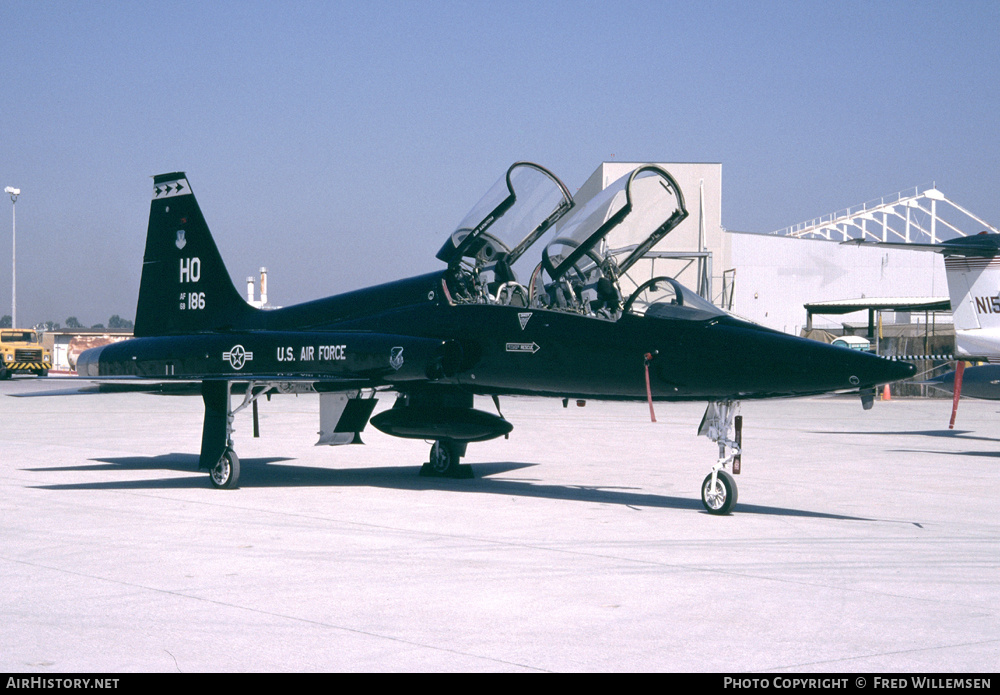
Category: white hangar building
[769,278]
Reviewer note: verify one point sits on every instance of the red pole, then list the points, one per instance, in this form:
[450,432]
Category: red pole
[959,371]
[649,392]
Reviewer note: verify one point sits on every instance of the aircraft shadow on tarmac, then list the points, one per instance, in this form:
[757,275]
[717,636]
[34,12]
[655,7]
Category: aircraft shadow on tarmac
[259,473]
[958,435]
[939,452]
[954,435]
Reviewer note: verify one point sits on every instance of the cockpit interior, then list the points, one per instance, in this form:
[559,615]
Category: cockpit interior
[527,243]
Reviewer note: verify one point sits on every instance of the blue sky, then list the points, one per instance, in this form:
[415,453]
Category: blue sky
[337,143]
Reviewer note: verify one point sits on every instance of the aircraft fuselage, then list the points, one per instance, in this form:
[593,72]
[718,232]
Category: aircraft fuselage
[408,331]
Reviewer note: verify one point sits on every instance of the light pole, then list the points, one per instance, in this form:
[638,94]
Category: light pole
[14,192]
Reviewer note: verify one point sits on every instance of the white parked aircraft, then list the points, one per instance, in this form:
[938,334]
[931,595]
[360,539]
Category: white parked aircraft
[972,267]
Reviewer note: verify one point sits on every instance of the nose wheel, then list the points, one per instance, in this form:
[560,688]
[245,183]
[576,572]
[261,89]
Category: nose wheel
[718,493]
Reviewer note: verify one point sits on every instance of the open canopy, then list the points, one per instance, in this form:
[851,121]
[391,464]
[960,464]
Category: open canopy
[516,211]
[577,270]
[646,204]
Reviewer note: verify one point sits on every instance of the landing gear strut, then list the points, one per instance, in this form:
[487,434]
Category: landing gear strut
[721,424]
[217,454]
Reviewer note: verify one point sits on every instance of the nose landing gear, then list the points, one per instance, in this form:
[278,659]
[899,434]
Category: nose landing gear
[718,491]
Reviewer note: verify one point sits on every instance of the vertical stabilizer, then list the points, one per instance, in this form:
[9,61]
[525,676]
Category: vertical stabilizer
[974,287]
[185,287]
[972,266]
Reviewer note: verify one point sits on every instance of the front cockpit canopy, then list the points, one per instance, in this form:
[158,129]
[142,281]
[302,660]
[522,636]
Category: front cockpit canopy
[580,268]
[665,298]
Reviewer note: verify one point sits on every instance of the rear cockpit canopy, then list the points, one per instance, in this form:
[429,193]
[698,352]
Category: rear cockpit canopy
[581,267]
[646,204]
[487,245]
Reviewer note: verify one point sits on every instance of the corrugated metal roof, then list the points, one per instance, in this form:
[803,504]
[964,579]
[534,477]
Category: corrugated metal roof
[846,306]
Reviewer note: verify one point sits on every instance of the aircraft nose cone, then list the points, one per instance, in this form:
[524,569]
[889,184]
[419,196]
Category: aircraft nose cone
[872,370]
[903,370]
[752,362]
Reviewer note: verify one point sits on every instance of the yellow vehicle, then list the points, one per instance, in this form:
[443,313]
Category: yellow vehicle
[21,352]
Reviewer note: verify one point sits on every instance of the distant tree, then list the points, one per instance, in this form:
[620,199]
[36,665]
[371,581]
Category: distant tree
[5,321]
[117,321]
[98,326]
[47,326]
[73,322]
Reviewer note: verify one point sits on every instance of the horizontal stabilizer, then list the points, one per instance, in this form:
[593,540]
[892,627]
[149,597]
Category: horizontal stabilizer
[979,246]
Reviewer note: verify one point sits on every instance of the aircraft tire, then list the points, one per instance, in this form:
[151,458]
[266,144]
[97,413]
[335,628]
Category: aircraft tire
[444,458]
[723,499]
[226,472]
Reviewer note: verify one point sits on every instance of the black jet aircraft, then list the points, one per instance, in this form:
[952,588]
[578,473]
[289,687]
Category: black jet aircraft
[528,301]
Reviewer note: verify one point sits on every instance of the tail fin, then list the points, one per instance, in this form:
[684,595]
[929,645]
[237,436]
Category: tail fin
[972,266]
[185,287]
[975,305]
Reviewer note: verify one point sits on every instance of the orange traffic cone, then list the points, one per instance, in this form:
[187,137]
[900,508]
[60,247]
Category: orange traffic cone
[886,394]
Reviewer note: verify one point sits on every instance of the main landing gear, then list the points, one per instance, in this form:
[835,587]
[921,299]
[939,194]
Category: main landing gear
[718,491]
[217,454]
[226,473]
[445,460]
